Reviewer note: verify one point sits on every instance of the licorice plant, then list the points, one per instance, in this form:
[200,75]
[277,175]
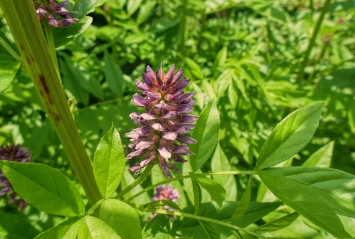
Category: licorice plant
[170,144]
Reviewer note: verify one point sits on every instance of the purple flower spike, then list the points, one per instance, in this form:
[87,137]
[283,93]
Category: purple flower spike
[165,122]
[16,154]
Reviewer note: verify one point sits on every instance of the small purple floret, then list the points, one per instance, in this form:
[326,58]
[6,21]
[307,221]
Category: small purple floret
[55,13]
[166,120]
[165,193]
[16,154]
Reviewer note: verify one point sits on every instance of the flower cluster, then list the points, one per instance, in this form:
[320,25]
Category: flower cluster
[165,193]
[17,154]
[164,125]
[55,13]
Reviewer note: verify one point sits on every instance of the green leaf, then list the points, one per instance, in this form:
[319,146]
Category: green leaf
[72,84]
[337,188]
[255,212]
[157,228]
[145,11]
[44,188]
[113,75]
[122,218]
[65,230]
[8,69]
[197,192]
[217,192]
[109,162]
[290,136]
[220,163]
[209,230]
[243,204]
[303,199]
[237,235]
[66,34]
[194,68]
[220,59]
[132,6]
[232,95]
[95,228]
[83,7]
[85,78]
[322,157]
[163,25]
[206,134]
[351,117]
[278,224]
[16,226]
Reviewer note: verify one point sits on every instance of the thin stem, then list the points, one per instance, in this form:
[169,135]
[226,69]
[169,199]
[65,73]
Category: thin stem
[28,34]
[138,180]
[183,214]
[313,40]
[182,32]
[188,176]
[101,103]
[237,172]
[9,49]
[311,76]
[202,30]
[96,205]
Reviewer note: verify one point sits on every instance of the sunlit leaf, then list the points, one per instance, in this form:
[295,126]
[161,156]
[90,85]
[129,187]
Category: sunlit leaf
[290,136]
[8,69]
[206,134]
[122,218]
[305,200]
[44,188]
[65,230]
[109,162]
[322,157]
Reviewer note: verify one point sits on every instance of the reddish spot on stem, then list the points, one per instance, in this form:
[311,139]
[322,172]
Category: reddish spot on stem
[22,47]
[33,59]
[56,118]
[46,89]
[44,84]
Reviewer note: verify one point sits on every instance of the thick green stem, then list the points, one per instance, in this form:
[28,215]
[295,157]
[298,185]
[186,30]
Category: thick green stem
[27,31]
[48,30]
[313,40]
[9,49]
[185,177]
[140,179]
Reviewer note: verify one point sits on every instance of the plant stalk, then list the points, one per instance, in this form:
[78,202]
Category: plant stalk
[206,219]
[313,40]
[185,177]
[28,34]
[138,180]
[9,49]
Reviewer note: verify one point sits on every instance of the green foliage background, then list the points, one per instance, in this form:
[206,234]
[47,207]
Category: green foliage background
[247,54]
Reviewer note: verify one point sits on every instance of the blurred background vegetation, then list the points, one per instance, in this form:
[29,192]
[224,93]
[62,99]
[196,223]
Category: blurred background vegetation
[249,54]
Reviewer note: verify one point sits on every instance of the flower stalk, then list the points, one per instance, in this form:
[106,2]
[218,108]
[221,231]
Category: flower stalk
[28,34]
